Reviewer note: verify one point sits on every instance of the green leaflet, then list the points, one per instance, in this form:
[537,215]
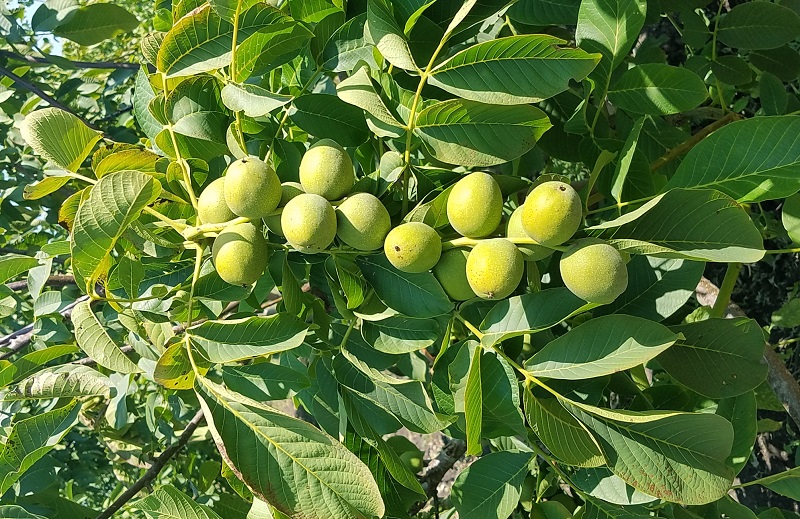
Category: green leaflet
[287,462]
[98,224]
[513,70]
[31,439]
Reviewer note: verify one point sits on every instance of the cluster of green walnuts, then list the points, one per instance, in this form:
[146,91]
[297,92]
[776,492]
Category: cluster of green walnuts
[311,214]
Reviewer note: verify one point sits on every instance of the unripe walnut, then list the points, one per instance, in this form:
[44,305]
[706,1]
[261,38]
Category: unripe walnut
[514,229]
[240,254]
[594,271]
[451,272]
[475,205]
[495,268]
[413,247]
[211,205]
[362,222]
[552,213]
[289,190]
[309,223]
[252,189]
[327,170]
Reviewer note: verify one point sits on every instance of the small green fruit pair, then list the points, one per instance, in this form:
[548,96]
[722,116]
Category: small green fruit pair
[310,223]
[250,188]
[491,270]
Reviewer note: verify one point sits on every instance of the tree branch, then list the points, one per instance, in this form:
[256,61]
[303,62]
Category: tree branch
[30,87]
[154,469]
[779,378]
[57,280]
[691,142]
[76,64]
[14,342]
[450,454]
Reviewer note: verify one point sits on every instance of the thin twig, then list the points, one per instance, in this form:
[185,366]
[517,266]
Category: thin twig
[30,87]
[154,469]
[57,280]
[685,146]
[76,64]
[14,342]
[11,250]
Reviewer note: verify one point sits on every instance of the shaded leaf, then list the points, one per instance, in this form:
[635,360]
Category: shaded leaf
[757,25]
[658,89]
[562,433]
[694,224]
[327,117]
[490,487]
[253,100]
[93,23]
[603,484]
[609,27]
[414,295]
[347,46]
[675,456]
[170,503]
[405,400]
[718,358]
[382,29]
[601,346]
[657,287]
[264,381]
[529,313]
[399,334]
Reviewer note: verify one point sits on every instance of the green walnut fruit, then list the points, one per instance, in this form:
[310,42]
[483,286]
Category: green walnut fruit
[475,205]
[413,461]
[413,247]
[327,170]
[594,271]
[211,206]
[401,444]
[495,268]
[252,189]
[514,229]
[362,222]
[309,223]
[289,190]
[451,271]
[240,254]
[552,213]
